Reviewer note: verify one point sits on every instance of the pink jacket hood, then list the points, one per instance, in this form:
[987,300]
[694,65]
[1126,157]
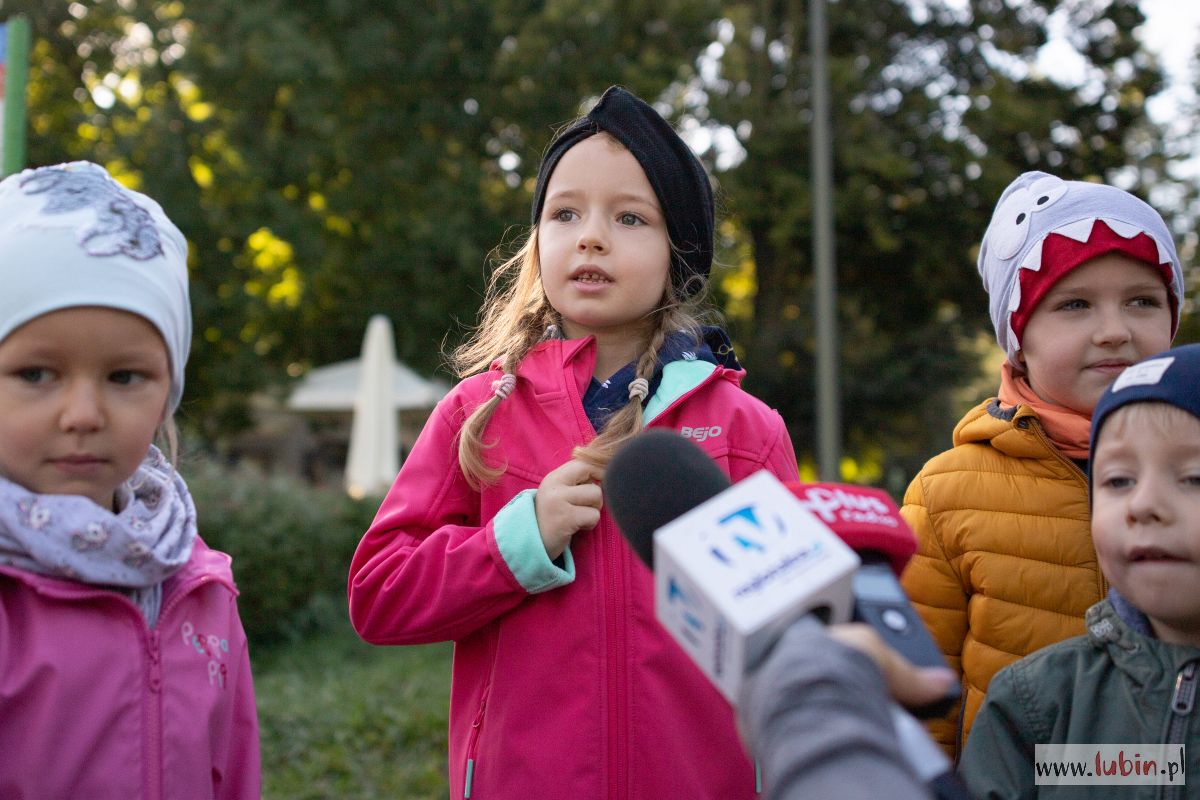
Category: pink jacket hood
[564,683]
[95,704]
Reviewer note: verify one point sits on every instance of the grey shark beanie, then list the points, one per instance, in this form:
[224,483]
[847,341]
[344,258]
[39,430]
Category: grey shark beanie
[1044,226]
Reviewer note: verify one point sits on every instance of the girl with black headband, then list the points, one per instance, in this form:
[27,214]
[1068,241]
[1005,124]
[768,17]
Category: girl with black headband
[495,534]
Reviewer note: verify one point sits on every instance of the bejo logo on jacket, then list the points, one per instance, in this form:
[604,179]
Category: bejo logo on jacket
[700,433]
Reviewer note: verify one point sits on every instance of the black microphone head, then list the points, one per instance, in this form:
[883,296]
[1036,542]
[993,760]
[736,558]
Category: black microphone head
[654,478]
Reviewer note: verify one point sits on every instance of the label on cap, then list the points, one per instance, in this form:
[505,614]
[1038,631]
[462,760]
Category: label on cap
[1143,374]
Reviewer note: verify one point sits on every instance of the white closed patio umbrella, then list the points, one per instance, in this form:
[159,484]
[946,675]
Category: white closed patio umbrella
[372,461]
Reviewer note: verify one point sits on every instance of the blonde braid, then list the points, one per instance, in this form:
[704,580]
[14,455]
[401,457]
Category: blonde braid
[513,318]
[628,422]
[471,445]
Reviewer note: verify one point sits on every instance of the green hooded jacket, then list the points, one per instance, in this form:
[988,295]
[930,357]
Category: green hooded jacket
[1116,684]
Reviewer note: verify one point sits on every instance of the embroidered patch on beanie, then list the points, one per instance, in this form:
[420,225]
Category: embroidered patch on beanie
[71,235]
[1171,377]
[120,225]
[1145,373]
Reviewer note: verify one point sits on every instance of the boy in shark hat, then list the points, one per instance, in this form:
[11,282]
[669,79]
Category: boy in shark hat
[1083,281]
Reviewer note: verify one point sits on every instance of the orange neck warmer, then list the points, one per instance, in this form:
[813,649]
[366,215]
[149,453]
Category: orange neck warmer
[1068,430]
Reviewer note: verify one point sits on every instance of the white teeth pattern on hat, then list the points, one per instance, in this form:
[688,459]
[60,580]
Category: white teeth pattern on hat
[1123,229]
[1079,230]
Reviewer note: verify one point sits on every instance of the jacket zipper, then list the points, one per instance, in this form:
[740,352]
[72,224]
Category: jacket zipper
[477,726]
[1054,451]
[962,718]
[1037,431]
[711,377]
[153,716]
[1183,702]
[617,653]
[473,743]
[153,711]
[614,631]
[615,628]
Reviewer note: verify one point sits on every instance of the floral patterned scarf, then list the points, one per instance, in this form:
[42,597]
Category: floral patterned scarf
[133,550]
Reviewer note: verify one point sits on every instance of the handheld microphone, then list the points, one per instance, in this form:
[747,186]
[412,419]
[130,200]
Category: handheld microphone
[869,522]
[733,566]
[634,485]
[661,483]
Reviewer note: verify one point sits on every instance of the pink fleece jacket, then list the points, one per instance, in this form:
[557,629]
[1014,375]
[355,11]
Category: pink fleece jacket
[565,685]
[94,704]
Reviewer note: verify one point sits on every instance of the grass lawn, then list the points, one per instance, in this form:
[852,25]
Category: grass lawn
[343,719]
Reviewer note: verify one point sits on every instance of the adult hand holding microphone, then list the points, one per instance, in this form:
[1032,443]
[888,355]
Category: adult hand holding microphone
[915,688]
[743,574]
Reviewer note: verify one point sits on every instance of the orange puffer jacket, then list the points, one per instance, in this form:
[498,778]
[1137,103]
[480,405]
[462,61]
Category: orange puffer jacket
[1005,563]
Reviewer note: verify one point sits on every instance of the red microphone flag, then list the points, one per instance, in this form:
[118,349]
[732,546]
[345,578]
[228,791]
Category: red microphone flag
[863,517]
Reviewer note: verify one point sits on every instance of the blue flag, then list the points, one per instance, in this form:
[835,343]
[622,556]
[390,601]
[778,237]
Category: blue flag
[4,79]
[3,57]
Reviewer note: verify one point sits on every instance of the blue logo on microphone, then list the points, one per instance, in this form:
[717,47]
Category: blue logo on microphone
[742,532]
[686,605]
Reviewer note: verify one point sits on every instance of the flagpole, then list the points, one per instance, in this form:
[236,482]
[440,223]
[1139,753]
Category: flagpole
[15,80]
[829,414]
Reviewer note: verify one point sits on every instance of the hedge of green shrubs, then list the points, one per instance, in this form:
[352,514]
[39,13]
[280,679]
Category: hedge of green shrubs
[291,545]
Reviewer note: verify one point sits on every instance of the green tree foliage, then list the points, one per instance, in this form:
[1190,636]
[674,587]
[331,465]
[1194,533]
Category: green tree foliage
[105,85]
[345,149]
[332,160]
[936,106]
[336,159]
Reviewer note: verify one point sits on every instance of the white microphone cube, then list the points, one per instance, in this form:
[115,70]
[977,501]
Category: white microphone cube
[731,575]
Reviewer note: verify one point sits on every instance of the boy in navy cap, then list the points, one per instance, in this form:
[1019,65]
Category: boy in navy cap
[1132,678]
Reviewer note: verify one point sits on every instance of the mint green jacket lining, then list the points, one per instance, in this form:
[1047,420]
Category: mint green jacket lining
[518,537]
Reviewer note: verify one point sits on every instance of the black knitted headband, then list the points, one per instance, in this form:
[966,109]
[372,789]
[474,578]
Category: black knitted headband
[676,175]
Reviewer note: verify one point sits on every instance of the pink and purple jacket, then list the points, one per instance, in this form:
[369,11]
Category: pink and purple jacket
[94,704]
[565,685]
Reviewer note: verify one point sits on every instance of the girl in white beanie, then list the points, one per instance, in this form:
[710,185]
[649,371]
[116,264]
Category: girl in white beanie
[1083,281]
[124,671]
